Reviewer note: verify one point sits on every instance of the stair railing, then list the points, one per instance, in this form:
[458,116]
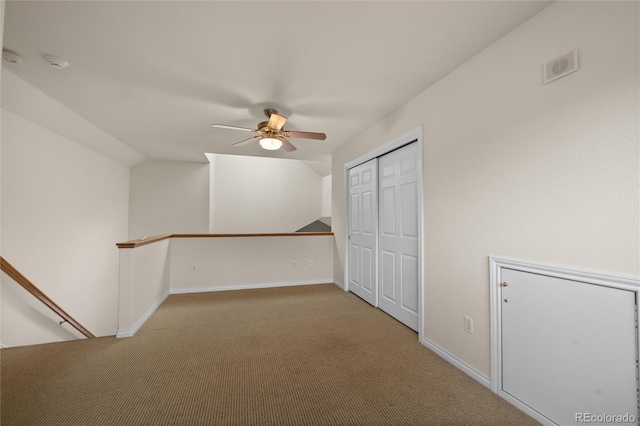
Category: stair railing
[11,271]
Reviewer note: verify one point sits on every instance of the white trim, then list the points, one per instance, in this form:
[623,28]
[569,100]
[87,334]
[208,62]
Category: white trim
[374,219]
[3,346]
[527,410]
[395,143]
[147,315]
[248,286]
[495,278]
[582,275]
[414,134]
[418,136]
[143,319]
[340,284]
[495,270]
[456,362]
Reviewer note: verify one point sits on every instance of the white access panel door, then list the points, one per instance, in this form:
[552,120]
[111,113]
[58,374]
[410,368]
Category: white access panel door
[399,263]
[568,348]
[361,238]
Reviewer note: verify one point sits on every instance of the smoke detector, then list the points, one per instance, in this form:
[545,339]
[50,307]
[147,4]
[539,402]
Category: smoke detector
[57,63]
[11,57]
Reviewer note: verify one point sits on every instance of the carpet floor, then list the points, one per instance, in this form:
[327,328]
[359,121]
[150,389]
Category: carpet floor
[308,355]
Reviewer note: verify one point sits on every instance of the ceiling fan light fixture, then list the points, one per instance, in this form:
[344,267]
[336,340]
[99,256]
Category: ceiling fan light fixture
[271,134]
[270,144]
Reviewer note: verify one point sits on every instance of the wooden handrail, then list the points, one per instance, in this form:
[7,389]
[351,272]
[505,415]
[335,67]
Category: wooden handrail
[11,271]
[147,240]
[282,234]
[142,241]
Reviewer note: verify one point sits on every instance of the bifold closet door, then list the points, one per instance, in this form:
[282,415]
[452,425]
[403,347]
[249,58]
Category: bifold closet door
[398,207]
[363,219]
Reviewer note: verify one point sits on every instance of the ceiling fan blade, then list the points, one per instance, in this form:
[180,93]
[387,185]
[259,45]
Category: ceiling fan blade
[246,141]
[276,121]
[305,135]
[287,146]
[224,126]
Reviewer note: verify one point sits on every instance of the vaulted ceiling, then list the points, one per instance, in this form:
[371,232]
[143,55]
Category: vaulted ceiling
[156,74]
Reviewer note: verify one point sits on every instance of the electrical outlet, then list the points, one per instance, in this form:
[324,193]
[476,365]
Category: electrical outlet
[294,263]
[194,268]
[468,324]
[311,263]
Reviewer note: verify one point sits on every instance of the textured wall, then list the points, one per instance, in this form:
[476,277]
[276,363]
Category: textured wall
[168,197]
[262,195]
[64,206]
[205,264]
[326,196]
[517,169]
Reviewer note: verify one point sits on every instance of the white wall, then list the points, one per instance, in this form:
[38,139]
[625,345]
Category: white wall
[264,195]
[212,187]
[209,264]
[2,4]
[144,284]
[326,196]
[28,321]
[169,197]
[517,169]
[150,272]
[64,208]
[23,99]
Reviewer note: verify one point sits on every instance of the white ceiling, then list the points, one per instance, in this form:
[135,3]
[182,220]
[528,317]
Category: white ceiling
[156,75]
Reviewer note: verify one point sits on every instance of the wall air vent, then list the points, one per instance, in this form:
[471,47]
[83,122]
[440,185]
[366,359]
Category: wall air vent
[560,66]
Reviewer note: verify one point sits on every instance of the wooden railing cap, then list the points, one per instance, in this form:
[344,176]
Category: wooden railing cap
[143,240]
[148,240]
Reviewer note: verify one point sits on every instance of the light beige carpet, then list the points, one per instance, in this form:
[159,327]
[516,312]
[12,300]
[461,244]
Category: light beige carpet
[308,355]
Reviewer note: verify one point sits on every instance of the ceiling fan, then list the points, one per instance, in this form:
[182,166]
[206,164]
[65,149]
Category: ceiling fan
[271,133]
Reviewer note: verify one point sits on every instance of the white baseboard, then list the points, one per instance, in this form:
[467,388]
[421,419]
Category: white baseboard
[145,317]
[526,409]
[142,320]
[130,332]
[2,346]
[248,286]
[339,284]
[466,368]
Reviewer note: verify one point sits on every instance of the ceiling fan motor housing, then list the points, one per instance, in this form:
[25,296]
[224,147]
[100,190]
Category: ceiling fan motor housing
[271,133]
